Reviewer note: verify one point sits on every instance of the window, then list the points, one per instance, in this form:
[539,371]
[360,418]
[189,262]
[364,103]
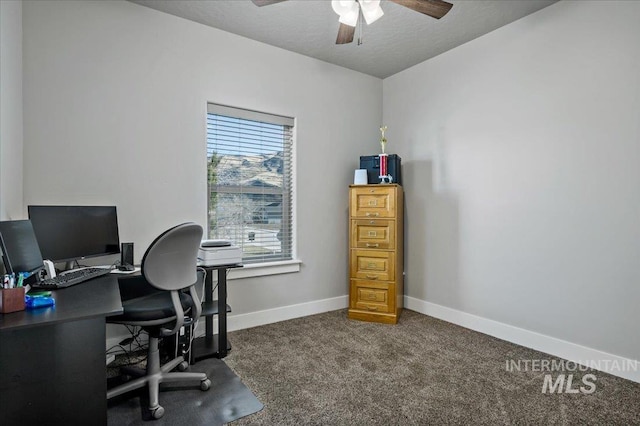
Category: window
[249,175]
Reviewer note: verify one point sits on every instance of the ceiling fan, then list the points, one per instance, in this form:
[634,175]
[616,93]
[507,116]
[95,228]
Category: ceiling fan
[351,10]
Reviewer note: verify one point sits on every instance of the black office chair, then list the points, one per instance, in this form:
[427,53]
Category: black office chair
[169,266]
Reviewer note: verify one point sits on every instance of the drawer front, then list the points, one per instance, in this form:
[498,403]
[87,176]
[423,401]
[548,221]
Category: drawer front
[373,233]
[371,296]
[372,265]
[371,202]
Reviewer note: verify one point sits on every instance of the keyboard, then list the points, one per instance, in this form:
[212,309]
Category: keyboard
[71,278]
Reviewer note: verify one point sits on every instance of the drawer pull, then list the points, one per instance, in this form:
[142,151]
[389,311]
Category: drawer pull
[372,245]
[373,202]
[372,308]
[372,277]
[372,214]
[373,233]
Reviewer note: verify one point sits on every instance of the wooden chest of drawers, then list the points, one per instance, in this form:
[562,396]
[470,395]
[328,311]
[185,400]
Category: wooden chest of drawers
[375,252]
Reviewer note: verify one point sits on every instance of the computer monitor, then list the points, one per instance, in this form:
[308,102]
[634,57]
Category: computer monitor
[71,233]
[20,251]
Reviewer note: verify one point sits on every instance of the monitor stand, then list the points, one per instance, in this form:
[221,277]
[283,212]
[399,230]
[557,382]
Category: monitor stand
[71,264]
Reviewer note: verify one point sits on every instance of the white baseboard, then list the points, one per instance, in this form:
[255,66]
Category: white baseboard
[599,360]
[268,316]
[602,361]
[110,359]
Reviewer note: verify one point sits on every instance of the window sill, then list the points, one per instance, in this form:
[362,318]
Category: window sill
[264,269]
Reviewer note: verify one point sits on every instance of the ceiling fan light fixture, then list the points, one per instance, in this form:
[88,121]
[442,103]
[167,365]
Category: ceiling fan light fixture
[369,5]
[342,7]
[373,14]
[350,18]
[349,10]
[349,13]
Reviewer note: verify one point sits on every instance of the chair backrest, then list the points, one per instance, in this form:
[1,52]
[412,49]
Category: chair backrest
[170,262]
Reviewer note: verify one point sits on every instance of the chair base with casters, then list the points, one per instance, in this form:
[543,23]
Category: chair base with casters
[156,374]
[168,302]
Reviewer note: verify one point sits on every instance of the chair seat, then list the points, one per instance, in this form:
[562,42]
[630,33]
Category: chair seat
[154,307]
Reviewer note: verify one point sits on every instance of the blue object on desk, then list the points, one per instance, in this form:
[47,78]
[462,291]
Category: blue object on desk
[34,302]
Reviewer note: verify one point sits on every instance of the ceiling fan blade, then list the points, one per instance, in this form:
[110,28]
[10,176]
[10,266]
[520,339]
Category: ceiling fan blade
[345,34]
[434,8]
[261,3]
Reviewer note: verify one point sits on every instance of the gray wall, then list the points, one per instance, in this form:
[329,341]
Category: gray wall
[115,102]
[521,162]
[10,110]
[520,149]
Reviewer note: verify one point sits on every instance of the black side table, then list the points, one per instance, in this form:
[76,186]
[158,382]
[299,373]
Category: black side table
[214,345]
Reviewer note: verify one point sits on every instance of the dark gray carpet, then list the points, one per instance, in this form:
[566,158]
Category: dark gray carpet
[328,370]
[227,399]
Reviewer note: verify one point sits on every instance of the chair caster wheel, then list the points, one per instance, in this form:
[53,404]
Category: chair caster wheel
[157,412]
[183,366]
[205,384]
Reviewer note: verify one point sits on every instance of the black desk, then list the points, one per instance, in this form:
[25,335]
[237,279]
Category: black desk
[211,345]
[52,360]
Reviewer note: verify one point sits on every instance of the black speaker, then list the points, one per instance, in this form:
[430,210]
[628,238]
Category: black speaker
[126,257]
[372,164]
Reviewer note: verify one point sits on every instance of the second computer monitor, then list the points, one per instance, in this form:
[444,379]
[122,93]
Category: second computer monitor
[20,251]
[70,233]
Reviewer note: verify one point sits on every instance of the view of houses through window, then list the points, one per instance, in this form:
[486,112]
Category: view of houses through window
[249,159]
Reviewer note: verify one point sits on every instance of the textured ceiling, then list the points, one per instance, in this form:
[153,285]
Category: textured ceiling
[400,39]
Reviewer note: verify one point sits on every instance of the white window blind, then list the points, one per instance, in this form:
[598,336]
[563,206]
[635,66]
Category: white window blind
[249,157]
